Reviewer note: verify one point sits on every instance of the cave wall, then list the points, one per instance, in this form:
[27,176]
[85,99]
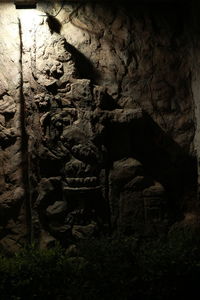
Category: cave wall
[97,121]
[194,25]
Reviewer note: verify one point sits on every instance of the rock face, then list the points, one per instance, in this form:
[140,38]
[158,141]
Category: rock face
[96,123]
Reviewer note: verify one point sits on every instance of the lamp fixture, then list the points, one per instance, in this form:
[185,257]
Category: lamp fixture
[25,4]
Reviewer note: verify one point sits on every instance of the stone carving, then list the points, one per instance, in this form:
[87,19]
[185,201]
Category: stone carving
[91,181]
[75,205]
[7,105]
[97,161]
[70,139]
[7,108]
[141,205]
[53,63]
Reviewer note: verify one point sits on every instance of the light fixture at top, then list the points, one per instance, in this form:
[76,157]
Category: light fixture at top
[25,4]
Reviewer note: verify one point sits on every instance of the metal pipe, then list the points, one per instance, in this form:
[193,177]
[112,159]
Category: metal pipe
[24,146]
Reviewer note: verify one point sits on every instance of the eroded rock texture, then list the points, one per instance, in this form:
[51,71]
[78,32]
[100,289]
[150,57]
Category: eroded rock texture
[104,123]
[12,227]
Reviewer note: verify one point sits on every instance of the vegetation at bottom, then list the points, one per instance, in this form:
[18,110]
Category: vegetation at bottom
[105,268]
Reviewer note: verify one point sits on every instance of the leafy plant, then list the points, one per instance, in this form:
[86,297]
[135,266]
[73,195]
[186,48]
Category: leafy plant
[106,268]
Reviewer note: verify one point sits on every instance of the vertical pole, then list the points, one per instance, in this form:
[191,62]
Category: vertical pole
[24,145]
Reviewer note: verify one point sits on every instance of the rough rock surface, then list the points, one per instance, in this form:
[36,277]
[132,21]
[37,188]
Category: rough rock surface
[96,124]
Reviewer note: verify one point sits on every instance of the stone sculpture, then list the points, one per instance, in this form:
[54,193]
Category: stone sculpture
[97,164]
[77,196]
